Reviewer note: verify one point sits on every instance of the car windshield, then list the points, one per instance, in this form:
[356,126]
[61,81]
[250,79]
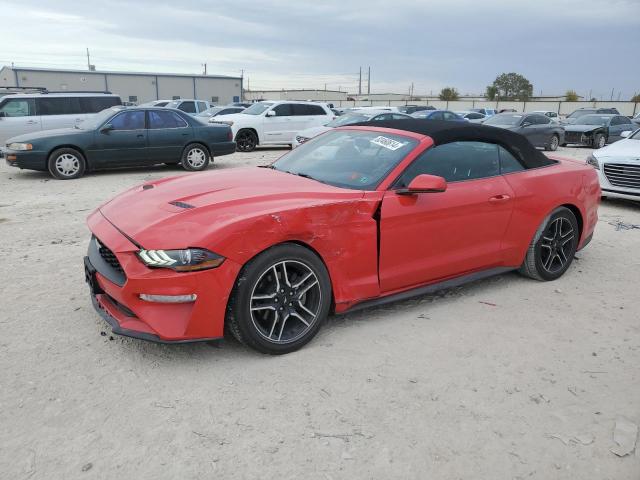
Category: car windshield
[504,119]
[353,159]
[349,119]
[98,119]
[210,112]
[594,120]
[581,113]
[257,108]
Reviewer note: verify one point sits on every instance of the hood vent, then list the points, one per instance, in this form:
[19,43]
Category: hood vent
[177,203]
[147,187]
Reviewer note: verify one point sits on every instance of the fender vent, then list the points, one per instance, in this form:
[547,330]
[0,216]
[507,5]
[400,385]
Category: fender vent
[181,204]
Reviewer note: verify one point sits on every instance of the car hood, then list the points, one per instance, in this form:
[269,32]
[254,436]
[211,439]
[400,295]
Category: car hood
[574,127]
[622,148]
[313,131]
[59,132]
[194,209]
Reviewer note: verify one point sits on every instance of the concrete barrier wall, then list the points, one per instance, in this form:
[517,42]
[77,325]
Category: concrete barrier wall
[563,108]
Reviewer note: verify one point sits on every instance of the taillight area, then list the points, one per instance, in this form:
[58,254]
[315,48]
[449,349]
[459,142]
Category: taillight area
[230,135]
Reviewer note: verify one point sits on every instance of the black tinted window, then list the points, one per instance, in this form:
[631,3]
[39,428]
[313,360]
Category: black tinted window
[283,110]
[455,162]
[97,104]
[59,105]
[542,119]
[189,107]
[159,119]
[624,120]
[18,107]
[128,121]
[508,163]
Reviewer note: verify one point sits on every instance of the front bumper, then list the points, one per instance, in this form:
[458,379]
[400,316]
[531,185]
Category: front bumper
[609,189]
[117,278]
[578,138]
[29,159]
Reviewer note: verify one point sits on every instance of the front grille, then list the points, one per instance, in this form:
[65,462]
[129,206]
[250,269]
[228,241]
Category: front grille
[622,175]
[573,137]
[109,257]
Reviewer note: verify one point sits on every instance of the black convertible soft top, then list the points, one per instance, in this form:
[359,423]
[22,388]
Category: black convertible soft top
[446,132]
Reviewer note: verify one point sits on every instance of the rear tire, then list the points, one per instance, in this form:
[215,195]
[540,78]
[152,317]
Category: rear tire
[553,246]
[246,140]
[66,164]
[195,158]
[280,300]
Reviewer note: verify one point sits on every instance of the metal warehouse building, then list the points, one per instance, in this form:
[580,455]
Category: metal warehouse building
[131,86]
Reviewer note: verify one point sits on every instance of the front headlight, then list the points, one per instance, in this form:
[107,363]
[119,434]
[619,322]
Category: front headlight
[593,161]
[20,146]
[188,260]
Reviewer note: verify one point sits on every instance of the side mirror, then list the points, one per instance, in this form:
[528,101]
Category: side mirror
[106,128]
[270,113]
[625,134]
[424,184]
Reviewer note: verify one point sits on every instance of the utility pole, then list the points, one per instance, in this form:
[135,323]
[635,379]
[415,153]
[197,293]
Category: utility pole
[360,82]
[205,68]
[369,82]
[612,94]
[88,60]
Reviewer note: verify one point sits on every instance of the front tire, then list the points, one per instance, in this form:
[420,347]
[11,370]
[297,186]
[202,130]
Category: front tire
[246,140]
[553,246]
[66,164]
[195,158]
[553,144]
[599,141]
[280,300]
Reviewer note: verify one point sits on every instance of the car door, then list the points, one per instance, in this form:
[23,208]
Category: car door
[121,141]
[168,134]
[432,236]
[280,127]
[60,112]
[545,129]
[17,117]
[529,128]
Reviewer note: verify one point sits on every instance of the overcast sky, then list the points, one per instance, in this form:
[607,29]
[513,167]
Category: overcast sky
[586,45]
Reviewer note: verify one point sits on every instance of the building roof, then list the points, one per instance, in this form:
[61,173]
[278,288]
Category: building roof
[446,132]
[113,72]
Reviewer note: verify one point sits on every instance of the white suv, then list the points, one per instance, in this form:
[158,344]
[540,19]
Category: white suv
[30,112]
[274,123]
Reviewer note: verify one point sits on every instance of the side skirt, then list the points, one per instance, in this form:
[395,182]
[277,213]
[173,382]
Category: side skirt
[431,288]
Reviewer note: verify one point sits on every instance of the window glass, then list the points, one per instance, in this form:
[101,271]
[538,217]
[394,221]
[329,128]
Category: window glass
[508,163]
[97,104]
[624,121]
[59,105]
[283,110]
[542,119]
[436,116]
[455,162]
[449,116]
[189,107]
[348,158]
[382,116]
[397,116]
[257,108]
[214,99]
[316,110]
[18,107]
[133,120]
[202,106]
[160,119]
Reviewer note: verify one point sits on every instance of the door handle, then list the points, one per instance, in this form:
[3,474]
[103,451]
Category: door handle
[499,198]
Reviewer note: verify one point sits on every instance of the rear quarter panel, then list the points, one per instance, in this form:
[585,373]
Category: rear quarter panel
[540,191]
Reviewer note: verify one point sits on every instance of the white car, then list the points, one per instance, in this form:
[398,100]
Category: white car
[549,113]
[348,118]
[618,167]
[189,105]
[473,117]
[274,123]
[31,112]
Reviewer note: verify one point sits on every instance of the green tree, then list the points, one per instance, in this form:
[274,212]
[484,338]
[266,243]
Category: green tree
[449,93]
[491,92]
[571,96]
[512,86]
[636,98]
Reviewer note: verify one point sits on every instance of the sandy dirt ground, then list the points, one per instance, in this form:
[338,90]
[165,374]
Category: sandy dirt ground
[506,378]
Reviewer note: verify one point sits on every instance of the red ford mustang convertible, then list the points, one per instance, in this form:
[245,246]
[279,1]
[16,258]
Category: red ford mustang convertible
[358,216]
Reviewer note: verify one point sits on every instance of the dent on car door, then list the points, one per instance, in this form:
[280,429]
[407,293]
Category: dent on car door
[124,143]
[431,236]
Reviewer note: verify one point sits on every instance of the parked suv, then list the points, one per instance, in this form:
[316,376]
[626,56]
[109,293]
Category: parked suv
[30,112]
[190,106]
[274,123]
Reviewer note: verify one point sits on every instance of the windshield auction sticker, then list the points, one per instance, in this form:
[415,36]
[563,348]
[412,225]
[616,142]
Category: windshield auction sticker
[388,143]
